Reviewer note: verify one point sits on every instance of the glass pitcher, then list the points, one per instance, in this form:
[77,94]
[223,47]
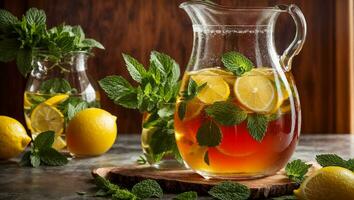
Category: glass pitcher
[238,115]
[55,91]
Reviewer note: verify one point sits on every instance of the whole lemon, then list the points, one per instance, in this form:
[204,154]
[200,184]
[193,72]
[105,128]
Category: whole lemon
[13,138]
[328,183]
[91,132]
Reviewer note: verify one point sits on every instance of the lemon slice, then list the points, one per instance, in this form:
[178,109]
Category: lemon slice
[47,118]
[57,99]
[257,93]
[26,102]
[216,88]
[59,143]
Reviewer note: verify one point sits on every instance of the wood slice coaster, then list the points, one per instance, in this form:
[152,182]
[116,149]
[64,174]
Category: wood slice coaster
[181,180]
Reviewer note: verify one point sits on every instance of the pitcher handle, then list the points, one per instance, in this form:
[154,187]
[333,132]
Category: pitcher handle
[301,29]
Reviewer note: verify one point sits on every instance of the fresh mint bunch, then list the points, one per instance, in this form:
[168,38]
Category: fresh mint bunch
[334,160]
[155,93]
[42,152]
[28,38]
[296,170]
[236,63]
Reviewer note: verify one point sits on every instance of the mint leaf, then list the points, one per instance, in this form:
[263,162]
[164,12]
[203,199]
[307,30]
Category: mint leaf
[187,196]
[35,160]
[44,140]
[52,157]
[123,194]
[105,184]
[91,43]
[7,19]
[136,70]
[331,160]
[120,91]
[73,110]
[209,134]
[257,126]
[55,86]
[182,108]
[206,158]
[162,140]
[8,49]
[226,113]
[350,164]
[26,160]
[230,190]
[35,17]
[147,189]
[24,61]
[288,197]
[296,170]
[236,63]
[78,32]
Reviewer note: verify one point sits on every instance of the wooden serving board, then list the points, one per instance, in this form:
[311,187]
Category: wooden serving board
[181,180]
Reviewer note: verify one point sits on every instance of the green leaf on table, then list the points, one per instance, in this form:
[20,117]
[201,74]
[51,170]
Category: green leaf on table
[35,17]
[288,197]
[135,69]
[209,134]
[26,159]
[191,195]
[44,140]
[120,91]
[226,113]
[331,160]
[7,19]
[24,61]
[236,63]
[55,86]
[35,160]
[8,49]
[123,194]
[52,157]
[146,189]
[257,125]
[105,184]
[230,190]
[296,170]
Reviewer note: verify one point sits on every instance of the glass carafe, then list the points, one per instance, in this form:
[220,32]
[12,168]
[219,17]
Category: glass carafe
[56,90]
[238,115]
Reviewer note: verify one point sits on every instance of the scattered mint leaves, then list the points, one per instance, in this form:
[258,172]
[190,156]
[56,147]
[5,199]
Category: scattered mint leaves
[42,152]
[209,134]
[236,63]
[296,170]
[187,196]
[55,86]
[226,113]
[257,126]
[334,160]
[147,189]
[230,190]
[28,39]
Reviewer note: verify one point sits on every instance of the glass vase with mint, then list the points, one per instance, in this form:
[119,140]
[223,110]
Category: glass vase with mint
[55,62]
[155,97]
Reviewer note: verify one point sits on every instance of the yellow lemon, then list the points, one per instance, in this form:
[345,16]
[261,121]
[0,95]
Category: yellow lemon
[13,138]
[255,92]
[328,183]
[56,99]
[26,102]
[216,88]
[91,132]
[47,118]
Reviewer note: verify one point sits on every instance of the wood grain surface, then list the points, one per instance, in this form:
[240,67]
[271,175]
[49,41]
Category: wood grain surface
[138,26]
[182,180]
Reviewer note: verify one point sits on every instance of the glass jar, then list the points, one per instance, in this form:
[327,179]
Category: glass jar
[56,90]
[239,113]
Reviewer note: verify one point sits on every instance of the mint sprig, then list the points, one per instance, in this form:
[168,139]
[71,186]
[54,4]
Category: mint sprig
[257,125]
[147,189]
[236,63]
[296,170]
[27,39]
[192,91]
[42,153]
[209,134]
[191,195]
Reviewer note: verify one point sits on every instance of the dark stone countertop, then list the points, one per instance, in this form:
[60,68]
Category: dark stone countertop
[63,183]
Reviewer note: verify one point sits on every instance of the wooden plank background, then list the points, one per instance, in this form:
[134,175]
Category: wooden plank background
[138,26]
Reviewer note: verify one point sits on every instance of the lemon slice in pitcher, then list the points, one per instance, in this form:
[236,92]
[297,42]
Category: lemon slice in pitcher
[56,99]
[257,93]
[45,117]
[216,88]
